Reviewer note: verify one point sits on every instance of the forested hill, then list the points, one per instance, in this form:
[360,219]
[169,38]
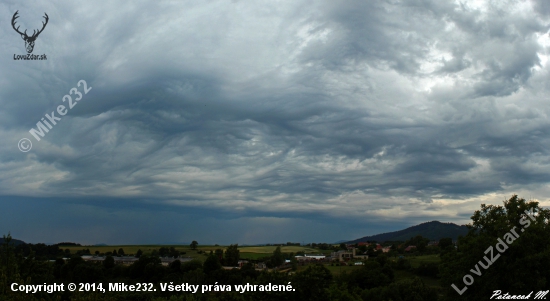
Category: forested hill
[15,242]
[433,230]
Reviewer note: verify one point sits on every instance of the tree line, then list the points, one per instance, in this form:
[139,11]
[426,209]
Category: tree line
[522,267]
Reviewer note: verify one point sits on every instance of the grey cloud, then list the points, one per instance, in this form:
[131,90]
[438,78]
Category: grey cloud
[337,111]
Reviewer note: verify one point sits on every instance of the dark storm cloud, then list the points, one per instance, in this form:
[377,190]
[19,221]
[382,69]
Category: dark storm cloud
[279,115]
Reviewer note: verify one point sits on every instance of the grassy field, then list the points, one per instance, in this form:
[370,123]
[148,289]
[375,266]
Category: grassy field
[256,252]
[246,252]
[253,256]
[246,249]
[271,249]
[417,260]
[337,270]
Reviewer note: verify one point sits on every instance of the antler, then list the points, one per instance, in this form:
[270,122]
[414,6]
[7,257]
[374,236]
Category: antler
[15,16]
[34,35]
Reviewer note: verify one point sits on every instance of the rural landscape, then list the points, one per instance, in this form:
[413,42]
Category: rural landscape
[419,268]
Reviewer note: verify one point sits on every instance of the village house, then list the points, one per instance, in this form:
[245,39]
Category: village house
[343,255]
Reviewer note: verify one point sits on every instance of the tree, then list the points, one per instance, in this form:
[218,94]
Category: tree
[121,252]
[59,262]
[139,253]
[420,242]
[211,264]
[513,263]
[174,253]
[445,244]
[109,262]
[140,268]
[232,255]
[86,272]
[311,283]
[7,256]
[370,275]
[277,257]
[175,266]
[219,254]
[341,293]
[382,259]
[371,251]
[191,265]
[409,289]
[164,251]
[194,245]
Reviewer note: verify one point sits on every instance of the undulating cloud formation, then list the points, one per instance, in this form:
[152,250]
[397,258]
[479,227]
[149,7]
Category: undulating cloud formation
[270,121]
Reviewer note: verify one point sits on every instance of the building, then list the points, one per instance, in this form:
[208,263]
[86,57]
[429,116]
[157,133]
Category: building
[241,263]
[124,260]
[315,256]
[310,257]
[343,255]
[128,260]
[166,261]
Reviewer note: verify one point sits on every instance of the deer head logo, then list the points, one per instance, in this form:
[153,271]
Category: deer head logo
[29,41]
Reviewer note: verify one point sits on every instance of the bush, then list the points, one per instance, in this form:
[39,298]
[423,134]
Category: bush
[403,264]
[428,269]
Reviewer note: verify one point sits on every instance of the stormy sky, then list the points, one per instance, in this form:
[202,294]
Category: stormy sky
[269,121]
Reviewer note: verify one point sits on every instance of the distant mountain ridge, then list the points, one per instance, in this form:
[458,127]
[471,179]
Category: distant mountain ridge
[433,230]
[14,241]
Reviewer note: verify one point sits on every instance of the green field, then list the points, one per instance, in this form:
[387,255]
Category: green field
[255,253]
[271,249]
[417,260]
[251,253]
[253,256]
[337,270]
